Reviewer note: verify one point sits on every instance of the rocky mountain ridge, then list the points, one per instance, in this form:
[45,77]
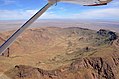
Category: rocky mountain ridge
[62,53]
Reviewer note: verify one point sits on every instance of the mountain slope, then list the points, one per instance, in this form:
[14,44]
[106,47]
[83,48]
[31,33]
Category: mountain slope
[48,49]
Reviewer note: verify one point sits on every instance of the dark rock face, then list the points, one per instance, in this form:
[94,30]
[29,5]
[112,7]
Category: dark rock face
[111,35]
[97,68]
[105,37]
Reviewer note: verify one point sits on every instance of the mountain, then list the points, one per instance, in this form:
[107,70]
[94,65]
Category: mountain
[61,53]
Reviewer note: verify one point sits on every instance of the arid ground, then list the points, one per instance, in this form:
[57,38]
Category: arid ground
[61,50]
[94,25]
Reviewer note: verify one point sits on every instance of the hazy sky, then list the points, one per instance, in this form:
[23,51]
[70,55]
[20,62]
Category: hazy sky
[24,9]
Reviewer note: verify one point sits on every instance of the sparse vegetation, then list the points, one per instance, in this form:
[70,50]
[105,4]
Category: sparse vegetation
[53,48]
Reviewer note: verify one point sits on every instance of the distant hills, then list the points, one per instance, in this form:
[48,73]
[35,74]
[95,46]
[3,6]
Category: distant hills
[94,25]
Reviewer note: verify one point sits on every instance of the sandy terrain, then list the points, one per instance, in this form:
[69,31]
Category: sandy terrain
[61,53]
[95,25]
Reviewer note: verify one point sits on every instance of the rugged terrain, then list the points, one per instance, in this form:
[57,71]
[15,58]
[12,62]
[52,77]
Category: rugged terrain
[61,53]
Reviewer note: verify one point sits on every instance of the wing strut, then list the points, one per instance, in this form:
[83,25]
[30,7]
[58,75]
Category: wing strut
[15,35]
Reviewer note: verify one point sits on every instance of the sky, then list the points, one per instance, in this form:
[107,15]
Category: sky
[24,9]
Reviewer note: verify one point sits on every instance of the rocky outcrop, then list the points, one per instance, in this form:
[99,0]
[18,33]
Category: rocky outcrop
[106,33]
[102,68]
[85,68]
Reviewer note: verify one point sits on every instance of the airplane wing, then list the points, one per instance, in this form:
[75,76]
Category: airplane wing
[84,2]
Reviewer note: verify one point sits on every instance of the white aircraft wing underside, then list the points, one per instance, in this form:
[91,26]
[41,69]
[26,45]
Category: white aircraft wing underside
[83,2]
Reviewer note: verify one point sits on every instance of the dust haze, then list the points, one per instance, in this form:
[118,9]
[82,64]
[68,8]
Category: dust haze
[94,25]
